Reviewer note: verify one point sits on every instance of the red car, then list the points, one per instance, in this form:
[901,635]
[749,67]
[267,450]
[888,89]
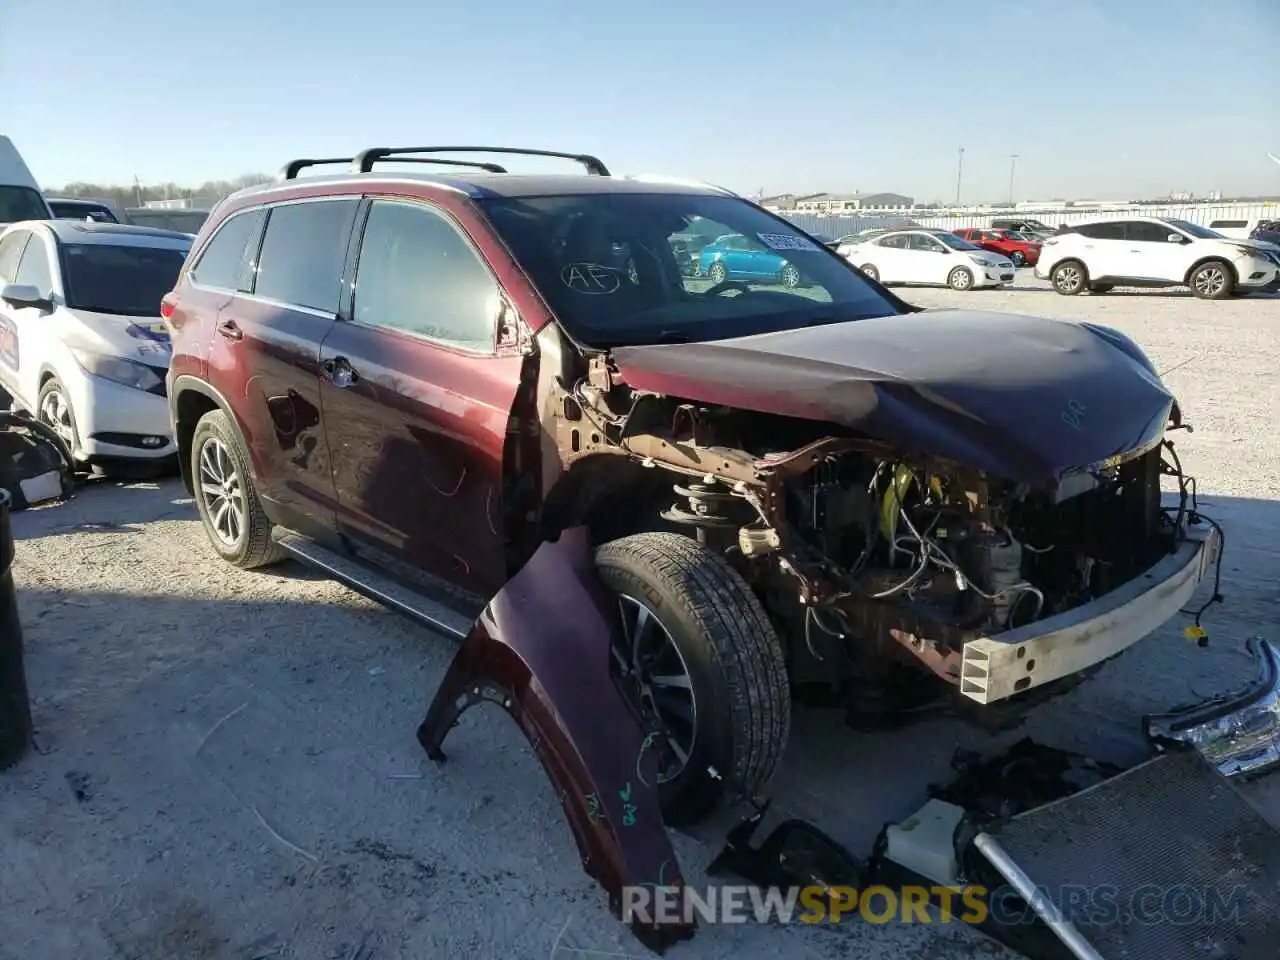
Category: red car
[413,381]
[1022,251]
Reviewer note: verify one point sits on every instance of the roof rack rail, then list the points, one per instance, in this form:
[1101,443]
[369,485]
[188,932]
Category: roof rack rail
[365,159]
[441,161]
[291,169]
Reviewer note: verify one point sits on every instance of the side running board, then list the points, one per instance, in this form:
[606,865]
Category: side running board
[374,585]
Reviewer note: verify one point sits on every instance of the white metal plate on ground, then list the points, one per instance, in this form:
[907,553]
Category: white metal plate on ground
[1171,824]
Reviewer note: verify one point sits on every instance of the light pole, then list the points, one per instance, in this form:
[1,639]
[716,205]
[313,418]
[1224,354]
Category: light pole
[1013,164]
[959,174]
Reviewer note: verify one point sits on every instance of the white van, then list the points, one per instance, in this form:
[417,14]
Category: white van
[20,196]
[1234,229]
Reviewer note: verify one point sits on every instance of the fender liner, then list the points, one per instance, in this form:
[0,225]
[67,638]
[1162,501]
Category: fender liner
[541,651]
[186,382]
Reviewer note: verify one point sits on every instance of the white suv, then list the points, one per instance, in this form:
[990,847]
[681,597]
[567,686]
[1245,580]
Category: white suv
[1155,252]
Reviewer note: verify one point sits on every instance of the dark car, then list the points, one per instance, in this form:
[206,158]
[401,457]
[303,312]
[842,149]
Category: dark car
[413,380]
[1023,225]
[75,208]
[1268,231]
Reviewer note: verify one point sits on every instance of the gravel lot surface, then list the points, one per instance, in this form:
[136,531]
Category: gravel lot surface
[227,765]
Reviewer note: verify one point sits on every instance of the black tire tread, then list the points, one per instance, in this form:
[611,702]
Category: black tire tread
[741,638]
[259,549]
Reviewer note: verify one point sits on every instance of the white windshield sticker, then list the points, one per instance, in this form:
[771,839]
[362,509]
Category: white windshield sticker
[785,241]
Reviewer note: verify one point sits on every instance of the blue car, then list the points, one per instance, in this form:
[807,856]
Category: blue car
[734,257]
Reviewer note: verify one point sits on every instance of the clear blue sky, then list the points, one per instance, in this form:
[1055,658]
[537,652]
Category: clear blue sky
[1100,98]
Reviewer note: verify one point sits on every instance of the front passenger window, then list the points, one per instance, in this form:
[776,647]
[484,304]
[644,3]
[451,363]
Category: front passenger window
[418,273]
[34,269]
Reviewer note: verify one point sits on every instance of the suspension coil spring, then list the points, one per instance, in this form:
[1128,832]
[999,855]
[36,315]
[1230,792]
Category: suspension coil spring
[700,505]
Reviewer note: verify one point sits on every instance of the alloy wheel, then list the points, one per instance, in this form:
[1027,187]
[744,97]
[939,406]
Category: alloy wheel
[1209,281]
[222,492]
[1067,279]
[961,279]
[652,664]
[790,276]
[55,413]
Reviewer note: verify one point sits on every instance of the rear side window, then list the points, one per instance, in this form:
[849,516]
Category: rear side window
[1228,224]
[11,253]
[1102,231]
[418,273]
[225,260]
[303,253]
[1140,232]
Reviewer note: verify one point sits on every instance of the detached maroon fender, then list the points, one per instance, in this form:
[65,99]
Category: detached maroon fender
[541,650]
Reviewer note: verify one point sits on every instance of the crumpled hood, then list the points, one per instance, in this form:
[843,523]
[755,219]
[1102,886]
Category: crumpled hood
[144,339]
[1021,397]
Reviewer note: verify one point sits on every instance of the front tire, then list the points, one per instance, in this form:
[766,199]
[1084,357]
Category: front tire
[789,276]
[53,409]
[1018,258]
[686,609]
[1069,278]
[961,278]
[717,273]
[226,497]
[869,269]
[1212,280]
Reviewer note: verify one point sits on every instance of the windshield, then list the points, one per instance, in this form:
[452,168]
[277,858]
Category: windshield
[954,242]
[1195,230]
[627,269]
[21,203]
[106,278]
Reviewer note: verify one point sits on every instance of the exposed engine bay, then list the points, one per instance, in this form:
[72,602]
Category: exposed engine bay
[866,557]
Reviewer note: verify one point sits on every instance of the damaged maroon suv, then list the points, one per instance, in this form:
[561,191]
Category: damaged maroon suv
[794,481]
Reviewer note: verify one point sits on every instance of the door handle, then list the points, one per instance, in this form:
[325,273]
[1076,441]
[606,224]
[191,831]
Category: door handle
[231,330]
[339,371]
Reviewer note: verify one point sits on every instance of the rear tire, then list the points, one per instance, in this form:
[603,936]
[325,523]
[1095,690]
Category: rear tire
[741,701]
[961,278]
[717,273]
[1018,258]
[226,497]
[1070,278]
[1212,280]
[789,276]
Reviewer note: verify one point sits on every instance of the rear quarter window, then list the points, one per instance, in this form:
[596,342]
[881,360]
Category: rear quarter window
[304,251]
[224,262]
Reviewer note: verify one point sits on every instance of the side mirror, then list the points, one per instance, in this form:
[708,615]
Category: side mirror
[1175,238]
[22,295]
